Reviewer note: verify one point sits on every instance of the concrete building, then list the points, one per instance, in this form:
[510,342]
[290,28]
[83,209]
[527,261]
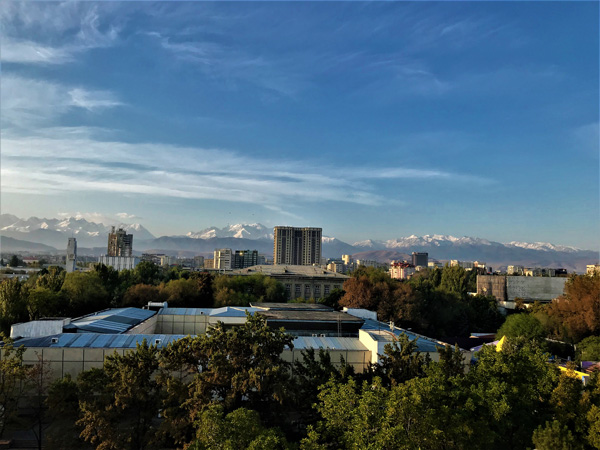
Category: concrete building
[71,260]
[209,263]
[244,258]
[300,282]
[70,347]
[515,270]
[401,270]
[199,261]
[297,246]
[506,288]
[420,259]
[370,263]
[119,262]
[435,264]
[120,243]
[223,259]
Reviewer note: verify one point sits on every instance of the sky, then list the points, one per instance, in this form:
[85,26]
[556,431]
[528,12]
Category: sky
[371,120]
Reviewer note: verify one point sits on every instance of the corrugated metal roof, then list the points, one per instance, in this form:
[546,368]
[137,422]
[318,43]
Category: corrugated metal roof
[97,340]
[225,311]
[116,320]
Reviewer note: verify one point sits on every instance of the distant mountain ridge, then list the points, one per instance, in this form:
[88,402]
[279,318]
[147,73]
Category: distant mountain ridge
[54,233]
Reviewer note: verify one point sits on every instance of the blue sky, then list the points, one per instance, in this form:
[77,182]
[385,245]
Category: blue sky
[371,120]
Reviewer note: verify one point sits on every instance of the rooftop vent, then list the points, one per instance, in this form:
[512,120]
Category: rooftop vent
[157,341]
[54,340]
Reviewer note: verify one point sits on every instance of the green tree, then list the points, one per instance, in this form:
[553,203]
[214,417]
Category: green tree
[85,293]
[51,278]
[240,429]
[204,281]
[181,293]
[242,290]
[309,373]
[146,272]
[14,261]
[522,325]
[44,302]
[13,303]
[507,386]
[400,362]
[119,403]
[139,295]
[241,367]
[554,436]
[63,401]
[458,281]
[13,376]
[589,349]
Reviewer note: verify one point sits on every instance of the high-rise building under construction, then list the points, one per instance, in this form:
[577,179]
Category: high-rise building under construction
[120,243]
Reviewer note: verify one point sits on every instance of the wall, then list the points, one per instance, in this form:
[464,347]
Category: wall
[494,285]
[148,326]
[534,288]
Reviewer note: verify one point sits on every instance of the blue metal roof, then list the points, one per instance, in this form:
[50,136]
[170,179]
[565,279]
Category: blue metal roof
[97,340]
[110,321]
[225,311]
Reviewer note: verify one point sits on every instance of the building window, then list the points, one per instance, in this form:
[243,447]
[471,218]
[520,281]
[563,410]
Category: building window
[317,291]
[326,289]
[307,291]
[336,286]
[297,290]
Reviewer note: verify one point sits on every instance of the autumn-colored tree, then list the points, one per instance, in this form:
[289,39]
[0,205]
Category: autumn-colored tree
[359,293]
[578,310]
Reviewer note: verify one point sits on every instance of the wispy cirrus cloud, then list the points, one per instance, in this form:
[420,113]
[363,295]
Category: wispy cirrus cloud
[31,103]
[52,34]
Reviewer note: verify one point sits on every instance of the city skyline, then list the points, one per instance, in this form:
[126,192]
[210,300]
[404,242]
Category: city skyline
[368,120]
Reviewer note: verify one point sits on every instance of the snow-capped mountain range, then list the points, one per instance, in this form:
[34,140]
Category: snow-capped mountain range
[91,235]
[55,231]
[239,231]
[438,240]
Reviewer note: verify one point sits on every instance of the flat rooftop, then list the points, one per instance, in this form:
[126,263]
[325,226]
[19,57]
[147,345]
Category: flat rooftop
[310,316]
[291,306]
[109,321]
[299,271]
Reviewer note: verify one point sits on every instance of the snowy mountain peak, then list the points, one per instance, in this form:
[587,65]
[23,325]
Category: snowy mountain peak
[239,231]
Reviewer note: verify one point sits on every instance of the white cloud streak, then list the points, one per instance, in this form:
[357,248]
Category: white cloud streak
[29,103]
[58,165]
[72,28]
